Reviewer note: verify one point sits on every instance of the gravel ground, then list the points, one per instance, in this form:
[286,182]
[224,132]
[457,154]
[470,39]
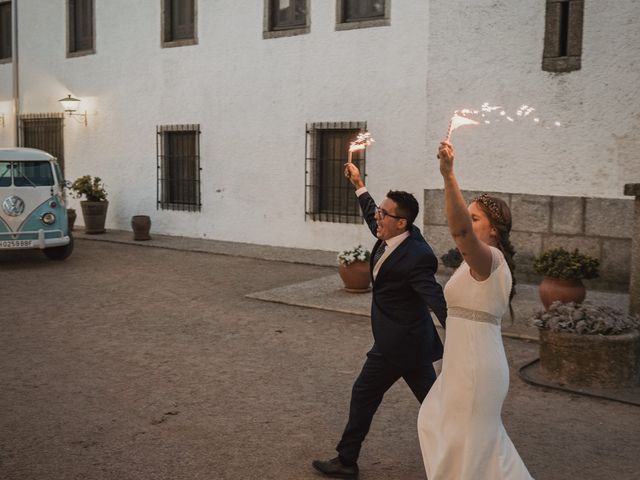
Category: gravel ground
[144,363]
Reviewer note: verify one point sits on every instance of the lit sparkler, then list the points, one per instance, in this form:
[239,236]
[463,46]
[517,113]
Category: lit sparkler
[362,141]
[463,117]
[458,121]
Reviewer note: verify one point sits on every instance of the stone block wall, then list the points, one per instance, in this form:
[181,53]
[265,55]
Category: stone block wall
[600,227]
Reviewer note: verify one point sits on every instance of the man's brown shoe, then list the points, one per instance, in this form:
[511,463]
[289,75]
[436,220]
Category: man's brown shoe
[334,468]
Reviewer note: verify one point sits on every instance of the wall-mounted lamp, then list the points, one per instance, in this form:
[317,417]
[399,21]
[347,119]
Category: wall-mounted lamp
[2,119]
[70,106]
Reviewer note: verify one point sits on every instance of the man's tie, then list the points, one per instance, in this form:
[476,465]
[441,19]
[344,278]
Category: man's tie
[379,253]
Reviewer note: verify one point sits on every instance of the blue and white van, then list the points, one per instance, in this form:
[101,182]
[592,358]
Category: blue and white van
[33,213]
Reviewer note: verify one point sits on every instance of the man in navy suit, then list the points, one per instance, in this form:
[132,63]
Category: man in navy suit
[405,340]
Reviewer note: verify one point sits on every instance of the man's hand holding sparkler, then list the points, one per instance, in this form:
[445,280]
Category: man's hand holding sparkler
[353,175]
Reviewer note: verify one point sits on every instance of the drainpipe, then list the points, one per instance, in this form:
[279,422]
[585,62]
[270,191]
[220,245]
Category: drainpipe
[14,59]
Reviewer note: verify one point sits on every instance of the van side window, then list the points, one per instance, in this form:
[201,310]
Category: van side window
[59,175]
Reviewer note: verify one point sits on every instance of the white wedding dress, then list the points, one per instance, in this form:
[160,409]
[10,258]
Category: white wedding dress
[459,425]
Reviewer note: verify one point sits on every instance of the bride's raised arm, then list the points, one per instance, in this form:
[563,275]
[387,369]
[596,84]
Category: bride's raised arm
[474,250]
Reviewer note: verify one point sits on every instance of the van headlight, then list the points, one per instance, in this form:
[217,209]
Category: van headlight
[48,218]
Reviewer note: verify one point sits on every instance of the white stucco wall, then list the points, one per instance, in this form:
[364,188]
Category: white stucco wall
[7,134]
[252,98]
[491,50]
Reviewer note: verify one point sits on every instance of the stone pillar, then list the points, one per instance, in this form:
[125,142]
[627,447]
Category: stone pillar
[633,189]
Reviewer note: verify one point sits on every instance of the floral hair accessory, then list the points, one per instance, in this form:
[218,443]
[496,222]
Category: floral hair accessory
[490,205]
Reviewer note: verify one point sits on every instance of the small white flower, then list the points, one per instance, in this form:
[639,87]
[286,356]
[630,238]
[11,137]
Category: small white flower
[350,256]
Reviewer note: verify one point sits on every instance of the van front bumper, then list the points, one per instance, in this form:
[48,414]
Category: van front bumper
[35,239]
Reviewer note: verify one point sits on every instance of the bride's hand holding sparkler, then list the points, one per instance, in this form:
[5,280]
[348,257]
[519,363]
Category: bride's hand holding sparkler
[353,175]
[446,155]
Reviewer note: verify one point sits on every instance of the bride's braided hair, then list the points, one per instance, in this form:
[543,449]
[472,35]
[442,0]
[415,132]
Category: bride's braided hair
[499,215]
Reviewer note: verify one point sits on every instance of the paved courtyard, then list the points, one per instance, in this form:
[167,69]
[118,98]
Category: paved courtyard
[126,362]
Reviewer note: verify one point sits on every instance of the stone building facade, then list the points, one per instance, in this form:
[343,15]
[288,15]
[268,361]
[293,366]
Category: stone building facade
[254,88]
[599,227]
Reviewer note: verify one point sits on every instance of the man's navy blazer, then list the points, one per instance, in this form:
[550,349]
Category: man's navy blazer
[403,291]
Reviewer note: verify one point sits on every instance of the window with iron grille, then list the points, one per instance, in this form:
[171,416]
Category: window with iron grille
[329,196]
[43,131]
[285,18]
[563,35]
[179,23]
[5,32]
[178,165]
[362,13]
[81,27]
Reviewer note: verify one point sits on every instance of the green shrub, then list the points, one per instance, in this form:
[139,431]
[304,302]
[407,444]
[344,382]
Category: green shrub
[559,263]
[453,258]
[91,188]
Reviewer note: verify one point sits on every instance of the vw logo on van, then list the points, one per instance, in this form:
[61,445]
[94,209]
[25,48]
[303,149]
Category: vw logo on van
[13,206]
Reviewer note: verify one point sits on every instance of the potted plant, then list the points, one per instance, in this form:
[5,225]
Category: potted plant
[94,207]
[452,259]
[563,273]
[354,269]
[71,217]
[589,345]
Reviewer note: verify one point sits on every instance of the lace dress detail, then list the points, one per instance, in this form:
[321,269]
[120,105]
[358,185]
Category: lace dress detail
[459,425]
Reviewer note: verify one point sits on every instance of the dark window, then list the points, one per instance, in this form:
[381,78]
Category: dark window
[288,14]
[179,167]
[179,20]
[81,26]
[358,10]
[5,31]
[30,174]
[330,197]
[5,174]
[26,174]
[44,132]
[563,35]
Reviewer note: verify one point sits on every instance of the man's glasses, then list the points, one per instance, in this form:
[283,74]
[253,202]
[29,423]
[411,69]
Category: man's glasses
[383,213]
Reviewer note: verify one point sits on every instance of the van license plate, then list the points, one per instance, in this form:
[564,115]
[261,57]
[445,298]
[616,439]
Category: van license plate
[16,243]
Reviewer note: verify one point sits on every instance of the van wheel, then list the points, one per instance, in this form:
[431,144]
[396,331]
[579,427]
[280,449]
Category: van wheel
[60,253]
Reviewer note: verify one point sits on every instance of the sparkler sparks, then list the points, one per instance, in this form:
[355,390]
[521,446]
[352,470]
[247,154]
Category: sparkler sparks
[362,141]
[463,117]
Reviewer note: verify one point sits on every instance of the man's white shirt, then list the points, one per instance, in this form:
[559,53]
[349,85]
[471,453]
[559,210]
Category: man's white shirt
[392,243]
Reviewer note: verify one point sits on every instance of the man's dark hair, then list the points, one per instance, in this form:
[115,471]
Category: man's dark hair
[407,205]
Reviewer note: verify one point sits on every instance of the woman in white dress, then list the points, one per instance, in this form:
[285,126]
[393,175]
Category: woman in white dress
[459,425]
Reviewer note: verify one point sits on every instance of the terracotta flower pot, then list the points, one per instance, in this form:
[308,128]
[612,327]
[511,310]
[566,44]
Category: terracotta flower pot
[556,289]
[71,217]
[141,224]
[355,276]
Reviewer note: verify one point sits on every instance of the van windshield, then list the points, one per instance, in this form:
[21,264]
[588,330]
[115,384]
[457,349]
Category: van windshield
[26,174]
[5,174]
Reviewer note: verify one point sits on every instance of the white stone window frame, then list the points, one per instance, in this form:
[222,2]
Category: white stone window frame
[342,24]
[88,51]
[182,42]
[267,27]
